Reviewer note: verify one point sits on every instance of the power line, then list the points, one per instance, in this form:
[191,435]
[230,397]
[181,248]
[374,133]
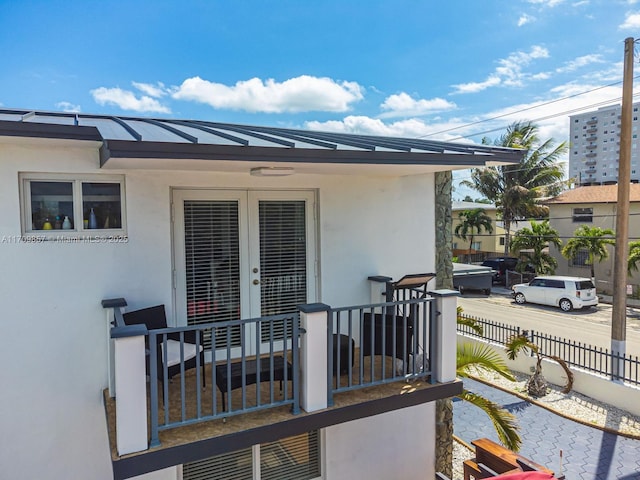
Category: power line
[531,108]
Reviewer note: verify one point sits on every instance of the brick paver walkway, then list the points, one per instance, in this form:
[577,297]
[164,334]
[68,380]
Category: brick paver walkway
[589,453]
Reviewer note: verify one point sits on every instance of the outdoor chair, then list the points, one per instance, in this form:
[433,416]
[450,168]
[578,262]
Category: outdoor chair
[155,318]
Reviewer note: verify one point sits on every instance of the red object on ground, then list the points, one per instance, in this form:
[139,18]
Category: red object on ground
[527,476]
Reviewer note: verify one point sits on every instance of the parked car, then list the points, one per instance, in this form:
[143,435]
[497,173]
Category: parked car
[564,292]
[500,265]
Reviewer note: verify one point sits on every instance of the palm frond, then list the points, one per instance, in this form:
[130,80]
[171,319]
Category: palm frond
[517,343]
[480,357]
[504,422]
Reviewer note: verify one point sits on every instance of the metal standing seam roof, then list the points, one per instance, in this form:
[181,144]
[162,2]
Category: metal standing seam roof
[141,137]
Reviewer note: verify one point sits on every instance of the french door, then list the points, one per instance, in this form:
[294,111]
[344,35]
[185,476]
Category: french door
[242,254]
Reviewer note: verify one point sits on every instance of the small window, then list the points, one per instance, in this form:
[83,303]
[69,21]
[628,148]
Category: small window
[580,260]
[60,206]
[502,241]
[582,215]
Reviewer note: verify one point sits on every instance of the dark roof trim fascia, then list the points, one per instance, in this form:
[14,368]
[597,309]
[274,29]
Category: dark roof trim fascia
[48,130]
[298,424]
[181,151]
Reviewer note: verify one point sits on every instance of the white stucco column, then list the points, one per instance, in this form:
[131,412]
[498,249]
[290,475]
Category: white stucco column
[113,307]
[444,364]
[131,385]
[313,356]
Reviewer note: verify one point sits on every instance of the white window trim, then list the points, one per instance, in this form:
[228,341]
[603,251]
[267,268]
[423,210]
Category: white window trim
[78,232]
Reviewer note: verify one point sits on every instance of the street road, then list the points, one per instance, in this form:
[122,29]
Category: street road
[592,326]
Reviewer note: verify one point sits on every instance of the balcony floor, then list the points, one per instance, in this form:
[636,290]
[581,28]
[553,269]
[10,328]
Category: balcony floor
[379,398]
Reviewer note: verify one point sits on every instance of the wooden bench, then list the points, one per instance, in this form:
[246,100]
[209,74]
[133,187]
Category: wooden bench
[225,382]
[497,458]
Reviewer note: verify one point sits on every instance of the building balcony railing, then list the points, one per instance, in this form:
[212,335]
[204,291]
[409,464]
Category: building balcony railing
[297,361]
[593,121]
[591,162]
[591,154]
[592,130]
[592,138]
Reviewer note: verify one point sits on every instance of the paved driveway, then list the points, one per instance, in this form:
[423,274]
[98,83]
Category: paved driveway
[589,453]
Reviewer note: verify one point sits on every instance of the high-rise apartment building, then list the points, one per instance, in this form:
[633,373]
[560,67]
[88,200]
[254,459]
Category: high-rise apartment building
[595,146]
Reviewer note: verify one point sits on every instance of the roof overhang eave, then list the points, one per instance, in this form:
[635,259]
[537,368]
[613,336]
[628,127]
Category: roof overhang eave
[178,156]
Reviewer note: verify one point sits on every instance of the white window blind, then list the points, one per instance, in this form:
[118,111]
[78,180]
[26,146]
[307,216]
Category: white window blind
[292,458]
[283,258]
[212,261]
[236,465]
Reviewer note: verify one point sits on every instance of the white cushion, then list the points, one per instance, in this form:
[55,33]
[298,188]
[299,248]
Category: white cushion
[173,352]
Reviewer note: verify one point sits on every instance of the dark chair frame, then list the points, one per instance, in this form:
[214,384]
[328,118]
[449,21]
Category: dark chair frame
[155,318]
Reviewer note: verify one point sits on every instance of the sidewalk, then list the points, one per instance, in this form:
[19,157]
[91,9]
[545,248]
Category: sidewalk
[588,453]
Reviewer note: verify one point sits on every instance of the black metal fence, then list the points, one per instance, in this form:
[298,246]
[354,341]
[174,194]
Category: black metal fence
[597,360]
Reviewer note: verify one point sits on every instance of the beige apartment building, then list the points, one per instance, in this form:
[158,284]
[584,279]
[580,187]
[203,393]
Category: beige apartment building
[594,206]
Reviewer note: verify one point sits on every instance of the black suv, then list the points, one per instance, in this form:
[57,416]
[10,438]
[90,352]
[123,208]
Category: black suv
[500,265]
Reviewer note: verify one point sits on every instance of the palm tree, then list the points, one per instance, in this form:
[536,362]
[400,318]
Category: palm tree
[472,222]
[593,241]
[475,358]
[515,189]
[533,243]
[634,256]
[537,385]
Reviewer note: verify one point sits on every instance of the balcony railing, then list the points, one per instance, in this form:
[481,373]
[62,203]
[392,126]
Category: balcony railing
[300,360]
[377,344]
[266,356]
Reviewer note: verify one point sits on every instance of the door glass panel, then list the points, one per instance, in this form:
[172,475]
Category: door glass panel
[212,263]
[283,258]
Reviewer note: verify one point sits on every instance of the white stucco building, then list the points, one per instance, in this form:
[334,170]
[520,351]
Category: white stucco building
[219,223]
[595,146]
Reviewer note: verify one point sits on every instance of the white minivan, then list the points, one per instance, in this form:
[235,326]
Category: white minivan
[564,292]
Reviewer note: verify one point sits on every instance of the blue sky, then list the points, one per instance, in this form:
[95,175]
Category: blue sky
[414,68]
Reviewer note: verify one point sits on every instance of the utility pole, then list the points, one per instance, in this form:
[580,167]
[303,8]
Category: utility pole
[619,312]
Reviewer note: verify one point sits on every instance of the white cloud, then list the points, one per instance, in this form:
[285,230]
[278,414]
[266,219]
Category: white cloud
[524,19]
[473,87]
[631,21]
[509,72]
[409,128]
[547,3]
[403,105]
[580,62]
[155,91]
[300,94]
[68,107]
[127,100]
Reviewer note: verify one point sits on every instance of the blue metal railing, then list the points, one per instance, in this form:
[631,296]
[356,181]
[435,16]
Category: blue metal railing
[273,368]
[376,344]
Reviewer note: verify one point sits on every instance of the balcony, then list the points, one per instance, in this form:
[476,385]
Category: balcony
[593,121]
[591,162]
[592,138]
[592,130]
[291,372]
[591,154]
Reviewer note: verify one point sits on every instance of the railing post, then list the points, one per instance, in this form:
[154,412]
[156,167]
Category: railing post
[112,307]
[444,361]
[313,356]
[131,385]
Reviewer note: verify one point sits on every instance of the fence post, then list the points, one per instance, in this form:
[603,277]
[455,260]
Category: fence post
[313,356]
[444,361]
[131,385]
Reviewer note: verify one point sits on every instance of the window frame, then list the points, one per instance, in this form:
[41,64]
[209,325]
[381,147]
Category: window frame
[25,180]
[582,214]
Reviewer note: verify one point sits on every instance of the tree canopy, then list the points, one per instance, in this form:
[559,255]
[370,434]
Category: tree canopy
[517,189]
